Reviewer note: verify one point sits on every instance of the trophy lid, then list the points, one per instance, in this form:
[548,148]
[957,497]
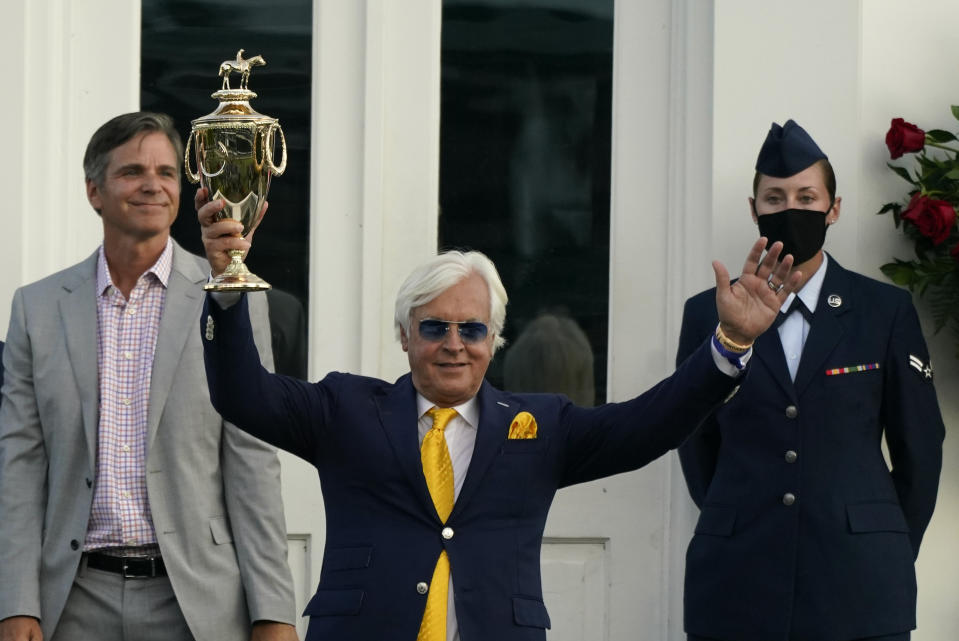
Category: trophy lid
[235,103]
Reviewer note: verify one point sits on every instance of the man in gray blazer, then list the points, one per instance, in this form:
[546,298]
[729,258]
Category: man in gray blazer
[128,509]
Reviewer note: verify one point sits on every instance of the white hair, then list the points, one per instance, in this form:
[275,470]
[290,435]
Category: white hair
[441,272]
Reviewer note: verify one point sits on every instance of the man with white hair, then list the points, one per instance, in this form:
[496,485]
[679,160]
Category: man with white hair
[437,487]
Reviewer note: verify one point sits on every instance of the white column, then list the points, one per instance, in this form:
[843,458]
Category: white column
[660,197]
[689,243]
[373,204]
[376,174]
[75,66]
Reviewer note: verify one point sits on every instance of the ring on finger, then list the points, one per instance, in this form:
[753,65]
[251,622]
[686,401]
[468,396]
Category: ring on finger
[773,286]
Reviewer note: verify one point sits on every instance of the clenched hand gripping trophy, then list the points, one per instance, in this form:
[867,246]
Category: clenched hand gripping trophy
[234,159]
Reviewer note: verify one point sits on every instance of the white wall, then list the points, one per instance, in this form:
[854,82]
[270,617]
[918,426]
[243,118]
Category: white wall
[773,62]
[910,69]
[843,70]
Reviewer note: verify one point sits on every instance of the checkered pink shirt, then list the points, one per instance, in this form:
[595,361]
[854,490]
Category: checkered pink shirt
[126,339]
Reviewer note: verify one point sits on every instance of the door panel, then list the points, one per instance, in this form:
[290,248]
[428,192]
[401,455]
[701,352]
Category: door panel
[576,588]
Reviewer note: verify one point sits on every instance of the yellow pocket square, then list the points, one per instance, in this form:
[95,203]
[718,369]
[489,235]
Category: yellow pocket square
[523,426]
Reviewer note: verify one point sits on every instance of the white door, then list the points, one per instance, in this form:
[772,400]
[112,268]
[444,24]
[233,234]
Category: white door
[611,561]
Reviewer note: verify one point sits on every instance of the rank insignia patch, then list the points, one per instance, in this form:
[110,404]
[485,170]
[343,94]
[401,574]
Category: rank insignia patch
[923,369]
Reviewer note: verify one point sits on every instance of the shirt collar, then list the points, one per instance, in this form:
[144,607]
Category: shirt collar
[162,268]
[468,411]
[809,294]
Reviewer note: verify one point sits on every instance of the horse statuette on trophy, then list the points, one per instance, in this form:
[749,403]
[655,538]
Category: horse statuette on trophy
[234,148]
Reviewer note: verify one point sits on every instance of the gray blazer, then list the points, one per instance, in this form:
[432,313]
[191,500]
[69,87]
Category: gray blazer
[214,491]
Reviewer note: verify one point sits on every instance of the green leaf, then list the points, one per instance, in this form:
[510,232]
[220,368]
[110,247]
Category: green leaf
[894,207]
[928,163]
[940,135]
[900,273]
[953,174]
[902,172]
[923,244]
[942,301]
[955,111]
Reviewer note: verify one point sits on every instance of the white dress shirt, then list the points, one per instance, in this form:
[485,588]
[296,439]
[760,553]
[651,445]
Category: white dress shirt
[794,330]
[127,331]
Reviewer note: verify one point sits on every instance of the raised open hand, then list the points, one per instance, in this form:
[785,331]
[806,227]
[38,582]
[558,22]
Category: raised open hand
[749,306]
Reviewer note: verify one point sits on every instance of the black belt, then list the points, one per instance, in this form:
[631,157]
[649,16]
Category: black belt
[131,567]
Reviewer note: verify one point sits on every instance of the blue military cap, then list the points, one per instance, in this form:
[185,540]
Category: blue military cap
[787,151]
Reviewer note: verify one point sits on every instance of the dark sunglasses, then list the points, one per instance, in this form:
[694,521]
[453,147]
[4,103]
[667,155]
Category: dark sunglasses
[470,331]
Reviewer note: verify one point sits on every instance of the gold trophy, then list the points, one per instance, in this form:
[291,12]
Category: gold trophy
[234,160]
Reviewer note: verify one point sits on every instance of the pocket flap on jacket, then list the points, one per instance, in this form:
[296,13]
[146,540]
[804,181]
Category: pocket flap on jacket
[347,558]
[327,603]
[876,517]
[530,612]
[220,528]
[716,520]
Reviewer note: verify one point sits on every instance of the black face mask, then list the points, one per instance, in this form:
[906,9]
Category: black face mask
[802,231]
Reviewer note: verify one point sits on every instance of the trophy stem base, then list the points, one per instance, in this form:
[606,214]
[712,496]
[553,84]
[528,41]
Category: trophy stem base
[237,278]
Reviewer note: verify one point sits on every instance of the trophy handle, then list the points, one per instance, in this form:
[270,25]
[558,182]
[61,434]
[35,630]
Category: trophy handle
[192,175]
[261,138]
[268,149]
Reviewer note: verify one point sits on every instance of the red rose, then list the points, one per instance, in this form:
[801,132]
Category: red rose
[934,218]
[904,137]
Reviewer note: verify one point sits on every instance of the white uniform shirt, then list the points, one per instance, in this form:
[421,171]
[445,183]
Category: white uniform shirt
[795,329]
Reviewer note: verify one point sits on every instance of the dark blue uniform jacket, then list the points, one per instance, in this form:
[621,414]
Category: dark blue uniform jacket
[804,532]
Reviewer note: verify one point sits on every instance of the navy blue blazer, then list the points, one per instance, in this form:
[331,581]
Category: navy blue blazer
[838,562]
[382,531]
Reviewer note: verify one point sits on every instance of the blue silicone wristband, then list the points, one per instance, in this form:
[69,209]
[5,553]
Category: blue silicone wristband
[735,358]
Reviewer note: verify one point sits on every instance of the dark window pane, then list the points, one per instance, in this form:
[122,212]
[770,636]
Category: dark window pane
[183,43]
[524,177]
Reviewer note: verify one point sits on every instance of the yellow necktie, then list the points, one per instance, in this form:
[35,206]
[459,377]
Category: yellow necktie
[438,470]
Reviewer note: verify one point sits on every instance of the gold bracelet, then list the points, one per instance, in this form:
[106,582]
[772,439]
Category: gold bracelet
[730,344]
